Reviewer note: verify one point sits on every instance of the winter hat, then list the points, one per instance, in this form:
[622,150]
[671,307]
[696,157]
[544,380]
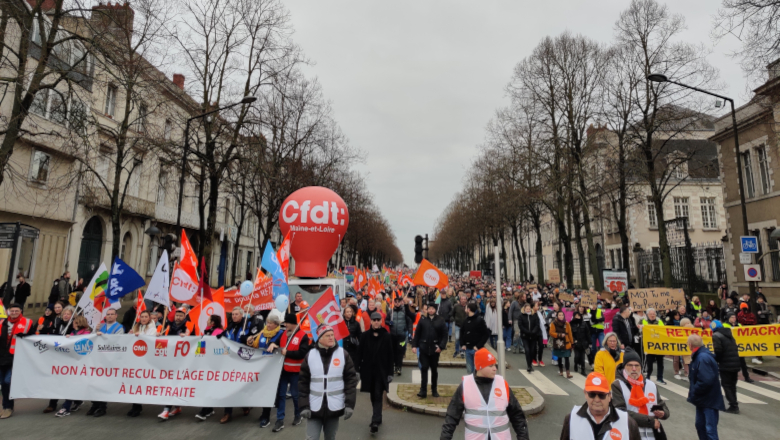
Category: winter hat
[630,355]
[290,318]
[483,358]
[321,330]
[744,306]
[716,324]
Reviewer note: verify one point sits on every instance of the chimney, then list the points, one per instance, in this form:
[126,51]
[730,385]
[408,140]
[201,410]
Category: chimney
[178,80]
[115,19]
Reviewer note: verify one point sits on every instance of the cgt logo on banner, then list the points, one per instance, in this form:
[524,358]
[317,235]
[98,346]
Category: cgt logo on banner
[227,374]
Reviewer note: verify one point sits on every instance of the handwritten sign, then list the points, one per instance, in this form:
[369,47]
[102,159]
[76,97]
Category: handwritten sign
[531,287]
[554,276]
[606,296]
[589,299]
[563,296]
[658,298]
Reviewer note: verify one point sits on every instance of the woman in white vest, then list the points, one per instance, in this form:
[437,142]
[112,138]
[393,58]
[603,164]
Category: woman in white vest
[327,386]
[598,419]
[487,405]
[638,395]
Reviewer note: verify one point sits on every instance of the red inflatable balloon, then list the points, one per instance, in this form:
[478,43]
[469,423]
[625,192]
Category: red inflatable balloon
[318,219]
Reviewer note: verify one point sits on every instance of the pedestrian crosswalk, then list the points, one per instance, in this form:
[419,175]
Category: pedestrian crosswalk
[547,386]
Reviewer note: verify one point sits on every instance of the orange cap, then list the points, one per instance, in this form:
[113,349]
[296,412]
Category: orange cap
[483,358]
[596,382]
[303,305]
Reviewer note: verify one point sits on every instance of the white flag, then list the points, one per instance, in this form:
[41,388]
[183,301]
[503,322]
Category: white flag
[158,286]
[94,300]
[183,288]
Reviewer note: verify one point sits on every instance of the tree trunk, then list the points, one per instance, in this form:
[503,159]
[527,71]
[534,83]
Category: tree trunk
[580,250]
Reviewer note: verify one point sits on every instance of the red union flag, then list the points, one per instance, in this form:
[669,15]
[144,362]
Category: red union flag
[326,311]
[183,287]
[262,297]
[283,255]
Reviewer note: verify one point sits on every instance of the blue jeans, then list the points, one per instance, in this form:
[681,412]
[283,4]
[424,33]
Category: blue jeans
[508,337]
[493,341]
[707,423]
[5,383]
[596,337]
[456,335]
[449,329]
[470,360]
[291,379]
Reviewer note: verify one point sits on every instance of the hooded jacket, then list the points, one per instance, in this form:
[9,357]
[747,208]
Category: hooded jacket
[704,390]
[726,351]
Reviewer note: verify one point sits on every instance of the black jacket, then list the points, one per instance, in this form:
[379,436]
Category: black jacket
[19,296]
[619,327]
[619,401]
[762,313]
[633,428]
[430,333]
[725,350]
[350,383]
[376,359]
[529,326]
[457,407]
[474,332]
[128,319]
[352,342]
[446,310]
[54,293]
[581,332]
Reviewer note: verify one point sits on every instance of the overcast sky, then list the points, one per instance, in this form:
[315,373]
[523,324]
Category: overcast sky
[413,83]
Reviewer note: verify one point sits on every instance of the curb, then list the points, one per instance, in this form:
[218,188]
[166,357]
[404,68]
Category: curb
[763,372]
[445,364]
[536,406]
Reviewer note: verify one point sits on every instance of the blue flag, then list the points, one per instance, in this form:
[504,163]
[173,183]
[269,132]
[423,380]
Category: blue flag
[271,264]
[122,279]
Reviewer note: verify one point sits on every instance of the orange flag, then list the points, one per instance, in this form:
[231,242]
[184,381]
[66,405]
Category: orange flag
[283,255]
[429,275]
[215,307]
[188,261]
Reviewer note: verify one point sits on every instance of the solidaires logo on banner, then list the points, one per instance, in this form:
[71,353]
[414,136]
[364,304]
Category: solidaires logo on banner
[190,371]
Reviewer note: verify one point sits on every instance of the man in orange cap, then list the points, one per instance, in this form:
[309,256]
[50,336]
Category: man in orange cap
[489,406]
[598,419]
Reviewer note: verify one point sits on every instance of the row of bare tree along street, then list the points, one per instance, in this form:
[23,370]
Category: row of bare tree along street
[87,83]
[585,136]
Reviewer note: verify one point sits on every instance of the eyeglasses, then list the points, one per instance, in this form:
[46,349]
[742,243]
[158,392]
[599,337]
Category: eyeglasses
[594,394]
[376,320]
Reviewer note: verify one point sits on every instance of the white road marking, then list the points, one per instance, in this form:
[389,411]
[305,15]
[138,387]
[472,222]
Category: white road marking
[417,376]
[545,385]
[683,392]
[758,390]
[773,383]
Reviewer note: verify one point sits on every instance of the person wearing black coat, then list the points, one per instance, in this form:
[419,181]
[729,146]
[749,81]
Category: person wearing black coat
[128,319]
[474,334]
[352,342]
[54,293]
[376,366]
[18,296]
[530,330]
[581,332]
[727,354]
[624,326]
[430,339]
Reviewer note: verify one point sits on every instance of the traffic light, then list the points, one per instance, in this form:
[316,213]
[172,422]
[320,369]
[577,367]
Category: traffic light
[418,249]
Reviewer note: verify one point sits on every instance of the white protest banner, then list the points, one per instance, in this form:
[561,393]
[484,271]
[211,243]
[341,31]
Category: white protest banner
[160,283]
[189,371]
[615,281]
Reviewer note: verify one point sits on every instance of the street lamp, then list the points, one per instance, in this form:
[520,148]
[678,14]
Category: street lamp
[661,78]
[246,100]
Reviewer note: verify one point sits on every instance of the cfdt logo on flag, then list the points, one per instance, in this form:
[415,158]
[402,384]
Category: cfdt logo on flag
[83,347]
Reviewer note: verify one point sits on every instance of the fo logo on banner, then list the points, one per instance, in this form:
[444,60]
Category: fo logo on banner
[431,277]
[140,348]
[182,348]
[83,347]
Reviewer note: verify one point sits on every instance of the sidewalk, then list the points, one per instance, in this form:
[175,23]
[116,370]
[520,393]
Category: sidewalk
[770,366]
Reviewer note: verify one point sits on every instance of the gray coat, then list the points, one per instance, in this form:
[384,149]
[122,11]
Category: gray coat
[515,310]
[446,310]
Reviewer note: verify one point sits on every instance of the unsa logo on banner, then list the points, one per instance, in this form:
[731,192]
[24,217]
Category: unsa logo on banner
[431,277]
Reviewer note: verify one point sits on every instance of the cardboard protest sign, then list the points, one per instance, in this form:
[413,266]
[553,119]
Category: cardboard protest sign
[589,299]
[606,296]
[563,296]
[659,298]
[554,276]
[531,286]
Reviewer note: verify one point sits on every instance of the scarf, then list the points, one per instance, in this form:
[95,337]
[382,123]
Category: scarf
[614,353]
[270,334]
[637,397]
[560,329]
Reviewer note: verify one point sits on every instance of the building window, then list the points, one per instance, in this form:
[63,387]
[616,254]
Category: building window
[652,218]
[709,217]
[39,103]
[39,170]
[747,170]
[161,187]
[681,208]
[77,117]
[111,93]
[763,166]
[140,123]
[168,129]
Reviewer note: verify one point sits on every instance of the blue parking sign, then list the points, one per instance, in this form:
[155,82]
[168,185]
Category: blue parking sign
[749,245]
